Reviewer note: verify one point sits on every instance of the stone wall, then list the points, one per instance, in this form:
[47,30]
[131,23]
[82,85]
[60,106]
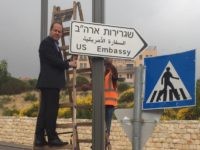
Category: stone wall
[167,135]
[20,130]
[175,135]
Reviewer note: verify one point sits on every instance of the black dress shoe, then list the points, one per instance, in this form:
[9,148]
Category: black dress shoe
[40,141]
[56,142]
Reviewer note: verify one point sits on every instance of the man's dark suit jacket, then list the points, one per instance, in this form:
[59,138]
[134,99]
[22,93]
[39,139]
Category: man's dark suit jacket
[52,65]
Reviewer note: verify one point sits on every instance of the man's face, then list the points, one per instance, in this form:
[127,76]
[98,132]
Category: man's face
[56,31]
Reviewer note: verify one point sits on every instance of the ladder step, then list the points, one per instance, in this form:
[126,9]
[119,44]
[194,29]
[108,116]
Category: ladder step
[84,124]
[64,105]
[46,147]
[66,47]
[82,70]
[85,140]
[70,132]
[66,31]
[70,125]
[64,125]
[64,15]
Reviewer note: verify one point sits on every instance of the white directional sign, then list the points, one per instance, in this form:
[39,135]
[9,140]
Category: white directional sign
[105,41]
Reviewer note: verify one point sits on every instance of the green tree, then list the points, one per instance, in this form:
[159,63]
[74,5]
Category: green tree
[12,86]
[80,80]
[123,87]
[3,71]
[32,83]
[198,92]
[126,98]
[195,111]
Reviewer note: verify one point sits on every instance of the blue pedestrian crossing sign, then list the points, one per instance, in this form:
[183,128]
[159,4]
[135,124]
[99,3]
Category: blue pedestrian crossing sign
[170,81]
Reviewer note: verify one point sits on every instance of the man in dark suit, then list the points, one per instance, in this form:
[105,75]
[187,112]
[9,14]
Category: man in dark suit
[51,80]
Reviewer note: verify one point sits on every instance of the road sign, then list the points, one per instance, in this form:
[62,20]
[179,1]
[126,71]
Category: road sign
[149,120]
[101,40]
[170,81]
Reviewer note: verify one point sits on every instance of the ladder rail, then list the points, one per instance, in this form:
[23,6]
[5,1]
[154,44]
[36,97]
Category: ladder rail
[75,133]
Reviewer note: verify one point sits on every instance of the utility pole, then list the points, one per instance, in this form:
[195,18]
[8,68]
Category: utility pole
[98,129]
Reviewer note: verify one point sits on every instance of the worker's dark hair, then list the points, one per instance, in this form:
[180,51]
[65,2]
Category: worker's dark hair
[55,22]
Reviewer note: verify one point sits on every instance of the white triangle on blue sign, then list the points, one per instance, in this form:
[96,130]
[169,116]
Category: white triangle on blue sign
[169,87]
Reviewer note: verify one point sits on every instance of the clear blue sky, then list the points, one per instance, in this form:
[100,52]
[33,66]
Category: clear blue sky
[172,26]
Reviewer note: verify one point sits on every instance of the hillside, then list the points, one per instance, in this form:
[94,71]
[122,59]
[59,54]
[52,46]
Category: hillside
[17,102]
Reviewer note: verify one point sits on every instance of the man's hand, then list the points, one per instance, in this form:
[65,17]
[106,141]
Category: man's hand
[73,63]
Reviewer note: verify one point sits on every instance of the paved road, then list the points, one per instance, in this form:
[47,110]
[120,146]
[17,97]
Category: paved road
[11,146]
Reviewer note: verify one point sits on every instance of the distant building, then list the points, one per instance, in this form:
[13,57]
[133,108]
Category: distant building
[150,51]
[126,67]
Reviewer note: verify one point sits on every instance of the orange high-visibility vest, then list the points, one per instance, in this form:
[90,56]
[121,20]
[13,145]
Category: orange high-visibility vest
[110,94]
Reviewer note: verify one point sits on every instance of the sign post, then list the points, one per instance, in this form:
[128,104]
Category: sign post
[137,109]
[98,117]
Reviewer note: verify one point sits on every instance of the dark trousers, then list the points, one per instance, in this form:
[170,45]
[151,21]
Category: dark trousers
[108,117]
[48,111]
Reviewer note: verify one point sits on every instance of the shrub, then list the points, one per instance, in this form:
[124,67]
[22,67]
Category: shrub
[32,83]
[182,113]
[127,96]
[4,100]
[84,113]
[12,86]
[30,97]
[80,80]
[192,113]
[81,113]
[126,105]
[30,111]
[64,113]
[123,87]
[169,114]
[10,112]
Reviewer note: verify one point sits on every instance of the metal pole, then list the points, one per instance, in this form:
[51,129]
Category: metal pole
[98,131]
[137,109]
[44,19]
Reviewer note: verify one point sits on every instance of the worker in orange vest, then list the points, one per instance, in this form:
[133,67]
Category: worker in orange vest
[110,92]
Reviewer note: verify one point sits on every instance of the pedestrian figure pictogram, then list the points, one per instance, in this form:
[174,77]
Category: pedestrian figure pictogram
[167,83]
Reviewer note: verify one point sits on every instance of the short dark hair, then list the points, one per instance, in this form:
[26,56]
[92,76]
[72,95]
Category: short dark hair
[55,22]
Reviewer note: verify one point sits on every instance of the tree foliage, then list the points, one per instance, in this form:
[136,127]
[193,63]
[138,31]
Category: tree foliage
[12,85]
[122,86]
[80,80]
[3,71]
